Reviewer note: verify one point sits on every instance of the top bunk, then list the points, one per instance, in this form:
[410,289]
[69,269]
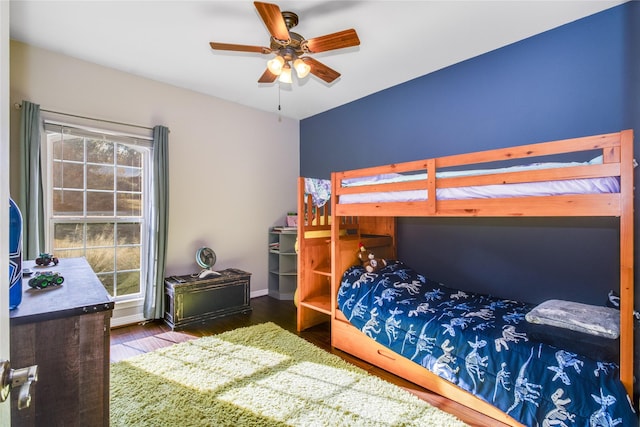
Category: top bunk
[524,180]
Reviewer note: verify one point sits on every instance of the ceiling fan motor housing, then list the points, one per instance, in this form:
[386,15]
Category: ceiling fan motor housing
[291,49]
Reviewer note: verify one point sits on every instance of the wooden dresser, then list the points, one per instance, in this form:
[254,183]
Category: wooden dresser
[65,331]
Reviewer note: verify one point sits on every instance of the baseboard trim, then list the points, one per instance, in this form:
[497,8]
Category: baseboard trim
[127,320]
[260,293]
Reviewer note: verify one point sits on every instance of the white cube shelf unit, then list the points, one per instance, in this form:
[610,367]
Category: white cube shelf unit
[283,263]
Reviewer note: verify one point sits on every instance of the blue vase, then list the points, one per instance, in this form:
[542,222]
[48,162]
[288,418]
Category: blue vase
[15,255]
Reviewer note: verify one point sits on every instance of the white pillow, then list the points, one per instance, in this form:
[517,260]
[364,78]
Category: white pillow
[589,319]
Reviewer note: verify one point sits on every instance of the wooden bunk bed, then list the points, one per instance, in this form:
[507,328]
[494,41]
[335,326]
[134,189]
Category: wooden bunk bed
[373,224]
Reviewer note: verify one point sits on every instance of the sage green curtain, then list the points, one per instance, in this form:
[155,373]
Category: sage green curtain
[158,225]
[30,200]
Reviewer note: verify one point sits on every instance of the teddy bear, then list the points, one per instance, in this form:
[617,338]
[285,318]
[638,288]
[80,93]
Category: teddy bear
[369,261]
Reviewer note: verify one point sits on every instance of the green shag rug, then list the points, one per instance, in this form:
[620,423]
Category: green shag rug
[258,376]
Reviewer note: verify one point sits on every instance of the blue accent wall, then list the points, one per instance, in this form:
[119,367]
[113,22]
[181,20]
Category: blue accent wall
[562,83]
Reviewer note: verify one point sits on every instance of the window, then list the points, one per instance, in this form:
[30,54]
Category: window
[97,204]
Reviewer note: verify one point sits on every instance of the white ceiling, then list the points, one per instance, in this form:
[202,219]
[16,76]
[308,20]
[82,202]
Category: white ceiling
[168,41]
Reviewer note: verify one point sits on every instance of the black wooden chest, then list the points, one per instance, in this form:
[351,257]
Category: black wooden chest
[190,300]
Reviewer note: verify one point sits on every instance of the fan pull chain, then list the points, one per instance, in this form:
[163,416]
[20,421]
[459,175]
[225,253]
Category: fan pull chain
[279,115]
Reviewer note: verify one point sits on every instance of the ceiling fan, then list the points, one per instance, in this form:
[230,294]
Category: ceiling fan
[291,47]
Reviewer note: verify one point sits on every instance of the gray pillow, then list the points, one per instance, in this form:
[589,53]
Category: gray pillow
[589,319]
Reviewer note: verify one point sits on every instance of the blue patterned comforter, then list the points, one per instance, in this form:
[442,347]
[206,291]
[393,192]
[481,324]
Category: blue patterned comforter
[480,343]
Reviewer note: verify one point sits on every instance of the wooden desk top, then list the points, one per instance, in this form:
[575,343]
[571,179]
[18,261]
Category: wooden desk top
[80,293]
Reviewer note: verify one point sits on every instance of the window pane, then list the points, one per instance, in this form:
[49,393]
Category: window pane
[100,235]
[67,236]
[101,260]
[129,234]
[100,177]
[128,258]
[67,202]
[99,204]
[107,282]
[71,148]
[68,175]
[128,156]
[129,204]
[128,283]
[99,151]
[76,253]
[129,179]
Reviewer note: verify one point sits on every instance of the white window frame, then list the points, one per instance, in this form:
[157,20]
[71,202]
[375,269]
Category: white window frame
[129,308]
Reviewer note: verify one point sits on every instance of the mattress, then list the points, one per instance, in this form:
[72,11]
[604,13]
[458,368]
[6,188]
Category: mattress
[483,345]
[546,188]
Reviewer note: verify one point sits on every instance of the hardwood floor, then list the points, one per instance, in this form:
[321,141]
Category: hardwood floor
[137,339]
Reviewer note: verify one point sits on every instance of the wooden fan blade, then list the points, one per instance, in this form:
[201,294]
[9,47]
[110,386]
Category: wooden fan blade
[272,17]
[267,77]
[320,70]
[239,47]
[339,40]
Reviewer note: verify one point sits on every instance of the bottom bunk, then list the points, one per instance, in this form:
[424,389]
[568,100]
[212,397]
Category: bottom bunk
[474,349]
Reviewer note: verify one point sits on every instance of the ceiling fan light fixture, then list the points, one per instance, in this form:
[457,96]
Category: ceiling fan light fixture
[285,75]
[275,65]
[302,68]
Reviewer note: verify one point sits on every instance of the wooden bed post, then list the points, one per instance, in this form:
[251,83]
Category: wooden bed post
[626,263]
[335,236]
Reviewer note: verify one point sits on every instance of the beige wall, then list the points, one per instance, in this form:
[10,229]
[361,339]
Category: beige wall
[232,169]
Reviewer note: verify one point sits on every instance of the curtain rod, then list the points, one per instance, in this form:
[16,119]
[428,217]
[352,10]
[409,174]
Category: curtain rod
[18,106]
